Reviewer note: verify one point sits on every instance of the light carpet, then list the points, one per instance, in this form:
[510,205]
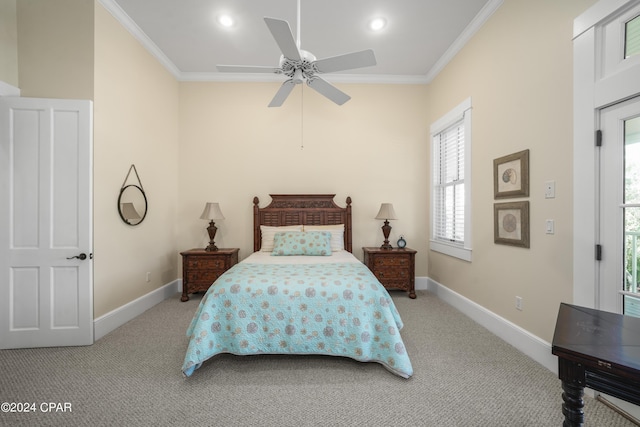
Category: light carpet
[463,376]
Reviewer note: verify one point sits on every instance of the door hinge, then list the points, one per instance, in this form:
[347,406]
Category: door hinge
[598,252]
[598,138]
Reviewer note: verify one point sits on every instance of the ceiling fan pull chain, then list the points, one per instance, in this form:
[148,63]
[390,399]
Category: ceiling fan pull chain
[298,27]
[301,116]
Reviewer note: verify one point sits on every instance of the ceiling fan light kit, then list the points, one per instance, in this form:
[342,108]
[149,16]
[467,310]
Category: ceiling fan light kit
[302,66]
[225,20]
[377,24]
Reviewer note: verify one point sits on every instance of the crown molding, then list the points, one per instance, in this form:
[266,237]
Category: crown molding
[128,23]
[478,21]
[333,78]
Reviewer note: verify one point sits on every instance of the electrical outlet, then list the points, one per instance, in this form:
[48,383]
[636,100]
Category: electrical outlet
[519,303]
[148,277]
[550,189]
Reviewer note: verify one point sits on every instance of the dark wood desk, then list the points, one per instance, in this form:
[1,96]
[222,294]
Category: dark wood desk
[599,350]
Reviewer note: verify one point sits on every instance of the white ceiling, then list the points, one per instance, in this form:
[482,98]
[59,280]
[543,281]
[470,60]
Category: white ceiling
[420,36]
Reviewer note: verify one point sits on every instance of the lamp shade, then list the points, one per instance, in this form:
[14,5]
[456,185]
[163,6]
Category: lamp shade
[212,212]
[129,211]
[386,212]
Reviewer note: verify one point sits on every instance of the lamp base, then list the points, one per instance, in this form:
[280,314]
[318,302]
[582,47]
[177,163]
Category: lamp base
[211,229]
[386,229]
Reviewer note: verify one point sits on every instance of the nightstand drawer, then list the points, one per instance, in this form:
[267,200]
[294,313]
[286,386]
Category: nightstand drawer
[391,273]
[205,263]
[390,261]
[202,277]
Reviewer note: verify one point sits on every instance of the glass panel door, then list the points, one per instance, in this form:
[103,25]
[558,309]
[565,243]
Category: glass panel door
[620,209]
[631,207]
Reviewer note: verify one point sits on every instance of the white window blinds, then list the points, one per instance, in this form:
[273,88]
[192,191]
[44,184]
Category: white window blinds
[449,200]
[451,183]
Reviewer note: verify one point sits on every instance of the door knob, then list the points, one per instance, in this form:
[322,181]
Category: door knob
[81,257]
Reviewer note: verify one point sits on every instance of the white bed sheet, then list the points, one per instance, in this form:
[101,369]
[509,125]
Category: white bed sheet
[266,258]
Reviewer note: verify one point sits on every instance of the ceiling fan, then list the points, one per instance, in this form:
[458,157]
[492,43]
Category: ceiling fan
[302,66]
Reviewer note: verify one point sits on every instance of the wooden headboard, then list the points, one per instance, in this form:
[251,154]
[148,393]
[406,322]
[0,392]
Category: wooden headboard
[305,209]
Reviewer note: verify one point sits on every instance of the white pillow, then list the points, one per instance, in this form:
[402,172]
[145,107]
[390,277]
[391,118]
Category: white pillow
[268,234]
[337,234]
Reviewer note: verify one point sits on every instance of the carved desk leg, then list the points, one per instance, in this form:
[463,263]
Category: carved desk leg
[573,406]
[573,380]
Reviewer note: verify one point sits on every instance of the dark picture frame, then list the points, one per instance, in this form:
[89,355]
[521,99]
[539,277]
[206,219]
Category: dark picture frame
[511,224]
[511,175]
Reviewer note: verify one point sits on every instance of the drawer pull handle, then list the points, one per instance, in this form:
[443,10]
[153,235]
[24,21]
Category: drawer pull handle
[604,364]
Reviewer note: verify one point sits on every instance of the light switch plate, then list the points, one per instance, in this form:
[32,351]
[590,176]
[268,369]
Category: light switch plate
[550,227]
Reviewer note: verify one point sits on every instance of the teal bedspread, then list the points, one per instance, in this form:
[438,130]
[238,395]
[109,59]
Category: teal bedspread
[337,309]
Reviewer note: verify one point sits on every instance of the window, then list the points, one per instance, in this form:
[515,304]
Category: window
[451,183]
[620,43]
[632,37]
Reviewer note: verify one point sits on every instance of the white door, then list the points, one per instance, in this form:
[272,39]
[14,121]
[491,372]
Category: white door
[46,171]
[620,216]
[620,208]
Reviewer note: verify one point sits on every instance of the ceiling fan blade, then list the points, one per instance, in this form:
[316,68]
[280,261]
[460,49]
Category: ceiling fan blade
[348,61]
[325,88]
[282,93]
[281,32]
[246,69]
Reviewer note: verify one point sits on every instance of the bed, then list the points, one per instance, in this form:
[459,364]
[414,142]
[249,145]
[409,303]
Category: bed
[300,292]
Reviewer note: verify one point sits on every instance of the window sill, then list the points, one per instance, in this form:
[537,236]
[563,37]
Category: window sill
[451,250]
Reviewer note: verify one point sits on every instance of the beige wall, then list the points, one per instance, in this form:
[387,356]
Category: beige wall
[199,142]
[135,122]
[518,71]
[373,148]
[76,49]
[8,42]
[55,48]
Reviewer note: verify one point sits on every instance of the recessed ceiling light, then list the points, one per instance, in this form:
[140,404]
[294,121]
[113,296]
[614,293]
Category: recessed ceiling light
[225,20]
[377,24]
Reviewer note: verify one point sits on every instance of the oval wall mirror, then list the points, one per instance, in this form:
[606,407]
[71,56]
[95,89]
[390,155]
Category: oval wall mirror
[132,204]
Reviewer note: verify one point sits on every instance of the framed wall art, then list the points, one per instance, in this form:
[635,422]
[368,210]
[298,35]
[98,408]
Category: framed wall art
[511,224]
[511,175]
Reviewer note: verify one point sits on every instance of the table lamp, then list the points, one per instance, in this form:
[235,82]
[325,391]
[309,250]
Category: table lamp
[211,212]
[386,212]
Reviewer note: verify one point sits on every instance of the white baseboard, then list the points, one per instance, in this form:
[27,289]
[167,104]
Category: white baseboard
[121,315]
[422,283]
[7,90]
[529,344]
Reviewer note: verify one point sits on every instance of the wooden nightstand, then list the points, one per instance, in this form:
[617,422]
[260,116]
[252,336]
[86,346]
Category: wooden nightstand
[394,268]
[201,268]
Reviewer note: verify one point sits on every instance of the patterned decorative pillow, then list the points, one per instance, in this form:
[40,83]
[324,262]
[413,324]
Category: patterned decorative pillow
[316,243]
[337,234]
[268,232]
